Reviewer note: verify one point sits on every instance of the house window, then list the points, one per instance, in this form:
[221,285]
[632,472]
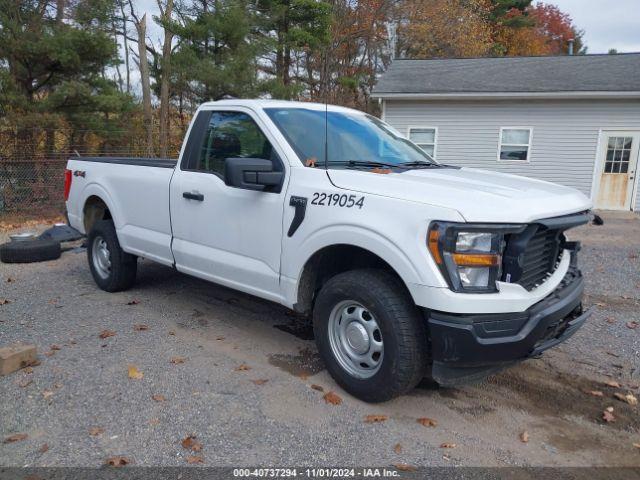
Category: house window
[515,144]
[425,138]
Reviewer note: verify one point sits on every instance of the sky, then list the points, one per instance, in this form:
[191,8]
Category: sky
[607,23]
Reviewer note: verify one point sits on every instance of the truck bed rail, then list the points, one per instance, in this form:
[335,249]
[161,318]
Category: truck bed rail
[142,162]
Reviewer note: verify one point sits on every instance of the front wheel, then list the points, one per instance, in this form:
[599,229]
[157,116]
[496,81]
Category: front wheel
[370,334]
[112,268]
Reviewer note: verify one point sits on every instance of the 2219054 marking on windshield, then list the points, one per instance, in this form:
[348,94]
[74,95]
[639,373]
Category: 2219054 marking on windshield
[337,200]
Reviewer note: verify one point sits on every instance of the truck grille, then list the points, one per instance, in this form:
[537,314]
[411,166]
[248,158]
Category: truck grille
[540,257]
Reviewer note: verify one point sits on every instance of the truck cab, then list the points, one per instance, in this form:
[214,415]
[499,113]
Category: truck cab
[407,267]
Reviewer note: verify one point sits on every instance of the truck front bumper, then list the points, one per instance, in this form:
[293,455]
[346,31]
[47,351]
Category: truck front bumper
[467,347]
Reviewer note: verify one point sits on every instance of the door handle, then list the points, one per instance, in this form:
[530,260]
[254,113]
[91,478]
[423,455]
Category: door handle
[198,197]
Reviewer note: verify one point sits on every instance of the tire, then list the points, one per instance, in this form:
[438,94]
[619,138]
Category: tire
[30,251]
[401,332]
[113,270]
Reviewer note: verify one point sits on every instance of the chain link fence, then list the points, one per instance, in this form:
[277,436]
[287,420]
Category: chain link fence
[32,169]
[32,187]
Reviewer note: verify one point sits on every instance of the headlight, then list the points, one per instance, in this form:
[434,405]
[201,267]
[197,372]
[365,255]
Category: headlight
[469,256]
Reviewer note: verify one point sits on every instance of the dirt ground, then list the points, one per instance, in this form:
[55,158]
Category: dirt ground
[242,376]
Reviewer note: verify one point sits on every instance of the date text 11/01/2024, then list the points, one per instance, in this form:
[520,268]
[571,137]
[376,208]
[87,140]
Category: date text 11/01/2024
[317,472]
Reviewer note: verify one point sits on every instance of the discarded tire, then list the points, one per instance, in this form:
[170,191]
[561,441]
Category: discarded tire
[29,251]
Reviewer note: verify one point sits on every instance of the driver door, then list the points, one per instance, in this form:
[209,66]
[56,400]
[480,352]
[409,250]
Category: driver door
[227,235]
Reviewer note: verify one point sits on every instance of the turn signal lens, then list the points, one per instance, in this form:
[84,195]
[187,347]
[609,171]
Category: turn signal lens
[476,260]
[434,236]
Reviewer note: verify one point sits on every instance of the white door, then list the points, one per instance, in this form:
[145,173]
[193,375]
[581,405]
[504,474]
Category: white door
[227,235]
[618,160]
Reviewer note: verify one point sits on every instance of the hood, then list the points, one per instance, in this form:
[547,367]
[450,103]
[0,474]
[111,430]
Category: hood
[478,195]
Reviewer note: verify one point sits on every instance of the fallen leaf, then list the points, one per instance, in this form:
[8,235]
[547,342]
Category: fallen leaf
[220,338]
[242,368]
[600,304]
[106,334]
[403,467]
[637,445]
[159,398]
[177,360]
[43,449]
[608,416]
[55,347]
[154,421]
[633,325]
[141,327]
[628,398]
[448,445]
[612,384]
[28,370]
[427,422]
[171,332]
[397,448]
[49,353]
[47,394]
[190,443]
[133,302]
[332,398]
[16,437]
[95,431]
[375,418]
[610,320]
[34,363]
[4,301]
[381,171]
[10,280]
[260,381]
[193,459]
[118,461]
[594,393]
[311,162]
[134,373]
[317,387]
[524,437]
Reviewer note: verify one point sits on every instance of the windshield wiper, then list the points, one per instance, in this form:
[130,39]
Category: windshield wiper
[363,163]
[419,165]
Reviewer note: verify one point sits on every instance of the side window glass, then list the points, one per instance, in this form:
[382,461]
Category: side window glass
[232,135]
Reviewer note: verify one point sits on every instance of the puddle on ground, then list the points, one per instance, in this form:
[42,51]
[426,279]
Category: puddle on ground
[305,364]
[541,392]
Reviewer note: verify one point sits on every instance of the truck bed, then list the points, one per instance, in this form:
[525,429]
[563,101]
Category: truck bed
[138,161]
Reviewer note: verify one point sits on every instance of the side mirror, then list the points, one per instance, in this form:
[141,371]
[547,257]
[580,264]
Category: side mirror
[252,174]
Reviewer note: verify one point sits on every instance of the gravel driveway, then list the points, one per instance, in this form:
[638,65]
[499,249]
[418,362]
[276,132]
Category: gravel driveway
[242,375]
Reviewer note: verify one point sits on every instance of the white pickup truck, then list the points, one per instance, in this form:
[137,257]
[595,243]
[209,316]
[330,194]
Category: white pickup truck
[409,268]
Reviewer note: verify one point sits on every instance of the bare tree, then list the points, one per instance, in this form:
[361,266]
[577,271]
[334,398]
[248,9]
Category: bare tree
[126,44]
[165,68]
[141,28]
[60,10]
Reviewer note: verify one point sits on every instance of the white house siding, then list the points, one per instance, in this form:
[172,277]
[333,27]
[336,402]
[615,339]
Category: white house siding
[564,142]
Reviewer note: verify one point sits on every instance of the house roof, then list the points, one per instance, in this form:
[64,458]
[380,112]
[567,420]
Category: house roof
[578,75]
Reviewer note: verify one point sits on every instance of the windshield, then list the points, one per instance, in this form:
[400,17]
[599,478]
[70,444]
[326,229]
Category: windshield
[353,139]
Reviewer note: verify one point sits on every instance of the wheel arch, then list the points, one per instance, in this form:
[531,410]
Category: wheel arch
[96,205]
[330,260]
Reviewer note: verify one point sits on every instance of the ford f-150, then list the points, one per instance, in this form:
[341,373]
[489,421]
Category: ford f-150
[409,268]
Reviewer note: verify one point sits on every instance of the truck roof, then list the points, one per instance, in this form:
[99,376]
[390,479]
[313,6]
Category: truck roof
[265,103]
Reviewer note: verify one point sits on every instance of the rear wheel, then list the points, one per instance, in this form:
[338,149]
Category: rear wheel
[112,268]
[370,334]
